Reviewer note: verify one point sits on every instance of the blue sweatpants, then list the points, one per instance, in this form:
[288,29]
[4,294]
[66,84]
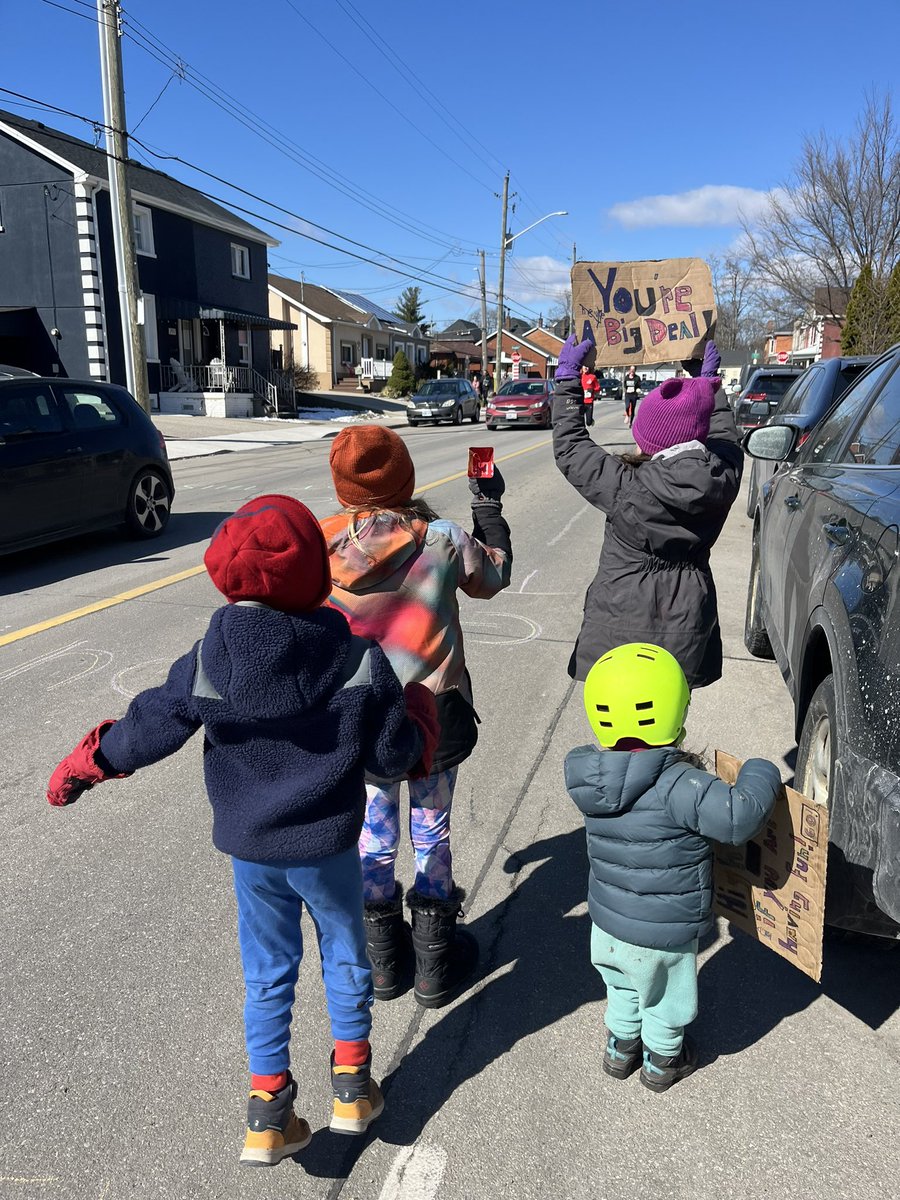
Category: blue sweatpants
[650,994]
[270,899]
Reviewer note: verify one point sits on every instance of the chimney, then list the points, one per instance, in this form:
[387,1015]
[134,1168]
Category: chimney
[540,320]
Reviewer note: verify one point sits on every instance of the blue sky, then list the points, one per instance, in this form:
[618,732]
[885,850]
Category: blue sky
[650,129]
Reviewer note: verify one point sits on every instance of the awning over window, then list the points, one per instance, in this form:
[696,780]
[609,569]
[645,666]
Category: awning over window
[170,308]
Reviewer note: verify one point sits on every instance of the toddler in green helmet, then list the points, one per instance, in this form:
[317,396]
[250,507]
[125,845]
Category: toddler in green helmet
[650,813]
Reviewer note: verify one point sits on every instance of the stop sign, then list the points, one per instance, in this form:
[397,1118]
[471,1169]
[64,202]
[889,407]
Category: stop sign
[782,356]
[516,356]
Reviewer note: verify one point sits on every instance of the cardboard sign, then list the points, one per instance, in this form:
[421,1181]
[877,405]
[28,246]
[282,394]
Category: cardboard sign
[774,887]
[644,312]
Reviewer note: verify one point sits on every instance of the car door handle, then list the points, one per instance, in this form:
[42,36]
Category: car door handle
[75,450]
[792,501]
[837,531]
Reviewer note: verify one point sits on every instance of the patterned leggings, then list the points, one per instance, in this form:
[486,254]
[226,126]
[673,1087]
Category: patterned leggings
[429,830]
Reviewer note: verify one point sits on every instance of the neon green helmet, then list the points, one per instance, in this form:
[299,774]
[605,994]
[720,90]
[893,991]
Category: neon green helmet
[637,691]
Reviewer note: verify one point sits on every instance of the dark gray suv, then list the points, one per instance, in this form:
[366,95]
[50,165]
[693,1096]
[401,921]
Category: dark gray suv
[439,400]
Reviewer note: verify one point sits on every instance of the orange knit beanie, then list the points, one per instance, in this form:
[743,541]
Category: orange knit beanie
[371,465]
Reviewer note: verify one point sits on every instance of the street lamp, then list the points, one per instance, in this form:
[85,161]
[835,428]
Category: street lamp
[512,237]
[506,240]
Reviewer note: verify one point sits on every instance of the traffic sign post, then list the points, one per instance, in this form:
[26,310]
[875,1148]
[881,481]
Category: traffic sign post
[516,363]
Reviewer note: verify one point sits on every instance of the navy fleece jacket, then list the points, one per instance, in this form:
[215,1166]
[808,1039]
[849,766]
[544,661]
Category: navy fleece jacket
[295,711]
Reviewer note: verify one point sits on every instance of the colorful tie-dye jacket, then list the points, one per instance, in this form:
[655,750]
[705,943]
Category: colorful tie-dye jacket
[397,584]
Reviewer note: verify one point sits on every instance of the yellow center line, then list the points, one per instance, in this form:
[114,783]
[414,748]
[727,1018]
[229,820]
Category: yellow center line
[145,589]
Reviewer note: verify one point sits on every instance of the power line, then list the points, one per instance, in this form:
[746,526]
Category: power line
[356,71]
[147,41]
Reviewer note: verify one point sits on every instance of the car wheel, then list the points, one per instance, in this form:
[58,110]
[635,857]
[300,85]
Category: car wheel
[818,743]
[756,639]
[149,504]
[457,416]
[413,423]
[476,414]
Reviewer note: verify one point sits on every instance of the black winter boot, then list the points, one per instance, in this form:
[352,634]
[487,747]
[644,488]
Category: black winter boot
[659,1073]
[445,956]
[389,946]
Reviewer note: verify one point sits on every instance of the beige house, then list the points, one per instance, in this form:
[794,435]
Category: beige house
[345,338]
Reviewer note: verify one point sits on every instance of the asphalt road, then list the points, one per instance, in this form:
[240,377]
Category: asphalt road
[120,1027]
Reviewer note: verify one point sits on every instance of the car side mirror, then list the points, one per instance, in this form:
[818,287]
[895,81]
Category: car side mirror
[772,443]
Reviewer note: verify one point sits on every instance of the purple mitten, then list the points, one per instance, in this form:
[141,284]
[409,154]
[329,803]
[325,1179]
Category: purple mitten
[573,354]
[712,360]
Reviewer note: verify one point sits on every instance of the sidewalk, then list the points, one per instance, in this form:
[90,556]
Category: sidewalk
[194,437]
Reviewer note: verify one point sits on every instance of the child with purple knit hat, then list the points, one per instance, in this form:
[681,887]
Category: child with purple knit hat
[665,508]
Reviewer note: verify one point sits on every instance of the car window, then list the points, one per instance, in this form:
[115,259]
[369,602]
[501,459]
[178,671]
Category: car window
[849,374]
[876,443]
[28,412]
[797,392]
[90,410]
[436,387]
[828,436]
[773,387]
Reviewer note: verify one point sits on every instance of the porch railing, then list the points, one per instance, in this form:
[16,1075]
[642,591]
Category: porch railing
[373,368]
[211,378]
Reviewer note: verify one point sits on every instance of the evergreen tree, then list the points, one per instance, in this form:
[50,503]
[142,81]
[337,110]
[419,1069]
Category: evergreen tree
[402,381]
[892,305]
[409,306]
[856,336]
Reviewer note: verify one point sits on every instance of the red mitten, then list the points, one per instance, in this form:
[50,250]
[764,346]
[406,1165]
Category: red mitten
[78,771]
[421,708]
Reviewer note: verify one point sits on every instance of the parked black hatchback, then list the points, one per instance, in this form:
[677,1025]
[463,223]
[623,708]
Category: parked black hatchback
[824,600]
[76,456]
[762,395]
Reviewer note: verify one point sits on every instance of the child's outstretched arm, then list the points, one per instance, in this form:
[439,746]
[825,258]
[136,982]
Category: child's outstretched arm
[593,472]
[395,741]
[158,722]
[485,558]
[721,812]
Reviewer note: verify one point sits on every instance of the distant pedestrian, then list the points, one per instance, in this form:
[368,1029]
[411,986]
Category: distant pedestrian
[651,812]
[397,570]
[591,388]
[632,395]
[665,508]
[294,709]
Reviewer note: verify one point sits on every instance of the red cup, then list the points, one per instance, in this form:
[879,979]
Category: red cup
[481,462]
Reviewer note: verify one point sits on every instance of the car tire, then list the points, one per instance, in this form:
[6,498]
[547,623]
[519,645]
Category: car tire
[412,423]
[476,414]
[818,742]
[756,639]
[149,504]
[490,428]
[457,416]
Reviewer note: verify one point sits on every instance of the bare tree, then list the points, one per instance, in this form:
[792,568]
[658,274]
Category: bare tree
[746,307]
[840,212]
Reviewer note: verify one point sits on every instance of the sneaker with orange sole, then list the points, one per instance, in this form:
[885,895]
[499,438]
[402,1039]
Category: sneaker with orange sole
[274,1131]
[357,1098]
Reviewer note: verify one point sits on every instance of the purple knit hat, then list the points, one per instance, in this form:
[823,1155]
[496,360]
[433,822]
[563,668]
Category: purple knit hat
[677,411]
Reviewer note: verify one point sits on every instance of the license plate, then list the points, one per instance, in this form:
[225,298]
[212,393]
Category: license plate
[512,416]
[424,412]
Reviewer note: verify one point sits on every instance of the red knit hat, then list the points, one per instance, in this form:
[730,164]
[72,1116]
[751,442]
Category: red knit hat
[371,465]
[271,550]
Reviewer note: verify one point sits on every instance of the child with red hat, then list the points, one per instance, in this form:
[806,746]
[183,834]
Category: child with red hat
[295,709]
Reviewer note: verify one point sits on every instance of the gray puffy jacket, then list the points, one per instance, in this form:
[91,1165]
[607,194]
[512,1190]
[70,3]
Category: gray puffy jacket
[653,582]
[648,816]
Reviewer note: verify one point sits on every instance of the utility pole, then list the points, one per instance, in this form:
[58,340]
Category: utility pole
[109,17]
[484,329]
[503,240]
[572,291]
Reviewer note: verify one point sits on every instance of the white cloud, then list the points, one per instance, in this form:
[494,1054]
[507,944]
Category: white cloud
[712,204]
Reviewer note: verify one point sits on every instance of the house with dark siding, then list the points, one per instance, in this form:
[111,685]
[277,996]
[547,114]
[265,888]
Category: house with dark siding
[201,269]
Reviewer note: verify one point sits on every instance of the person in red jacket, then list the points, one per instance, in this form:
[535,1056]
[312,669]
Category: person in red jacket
[591,385]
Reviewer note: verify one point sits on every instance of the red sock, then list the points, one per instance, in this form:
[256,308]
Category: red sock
[269,1083]
[351,1054]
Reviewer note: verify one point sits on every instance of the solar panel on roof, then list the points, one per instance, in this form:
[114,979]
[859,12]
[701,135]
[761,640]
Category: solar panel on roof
[367,305]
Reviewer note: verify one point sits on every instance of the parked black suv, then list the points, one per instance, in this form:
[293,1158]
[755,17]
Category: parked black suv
[824,600]
[805,403]
[762,394]
[77,455]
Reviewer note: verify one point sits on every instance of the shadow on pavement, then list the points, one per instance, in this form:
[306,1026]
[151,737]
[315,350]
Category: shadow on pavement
[550,977]
[67,560]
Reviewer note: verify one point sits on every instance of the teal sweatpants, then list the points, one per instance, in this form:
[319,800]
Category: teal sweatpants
[651,994]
